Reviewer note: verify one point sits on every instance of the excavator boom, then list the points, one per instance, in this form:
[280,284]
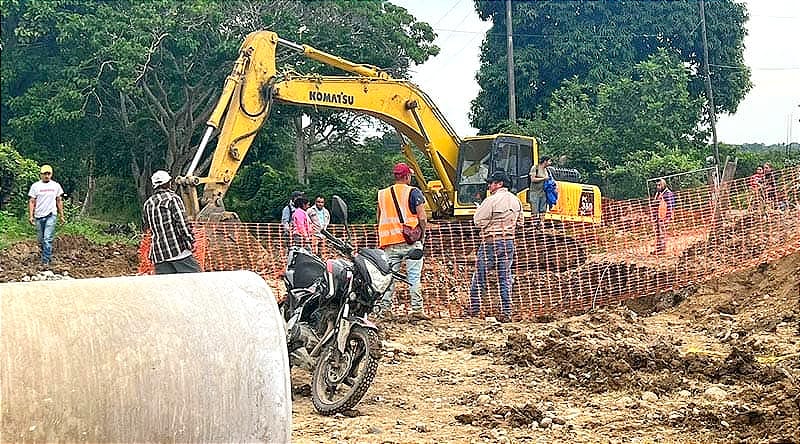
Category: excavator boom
[460,166]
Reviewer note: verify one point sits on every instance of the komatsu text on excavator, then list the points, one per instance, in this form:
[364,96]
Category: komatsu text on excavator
[461,165]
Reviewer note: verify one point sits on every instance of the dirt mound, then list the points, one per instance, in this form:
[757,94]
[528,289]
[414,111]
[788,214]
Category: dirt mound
[76,255]
[511,415]
[741,237]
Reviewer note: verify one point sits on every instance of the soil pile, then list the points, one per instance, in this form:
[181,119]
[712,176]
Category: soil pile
[75,255]
[718,363]
[722,365]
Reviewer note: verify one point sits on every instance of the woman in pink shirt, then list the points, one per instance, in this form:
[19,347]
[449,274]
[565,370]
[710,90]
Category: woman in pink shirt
[301,224]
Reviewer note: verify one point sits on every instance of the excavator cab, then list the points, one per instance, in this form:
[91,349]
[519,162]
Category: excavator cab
[481,156]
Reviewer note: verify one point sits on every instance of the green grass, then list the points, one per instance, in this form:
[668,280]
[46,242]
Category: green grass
[14,229]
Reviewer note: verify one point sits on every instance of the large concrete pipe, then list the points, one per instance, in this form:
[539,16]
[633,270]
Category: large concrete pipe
[176,358]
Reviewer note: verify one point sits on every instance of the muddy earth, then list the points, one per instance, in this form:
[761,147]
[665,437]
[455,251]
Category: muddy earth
[718,362]
[75,255]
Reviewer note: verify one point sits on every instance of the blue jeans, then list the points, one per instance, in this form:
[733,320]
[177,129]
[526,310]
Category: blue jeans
[538,201]
[45,229]
[413,272]
[499,254]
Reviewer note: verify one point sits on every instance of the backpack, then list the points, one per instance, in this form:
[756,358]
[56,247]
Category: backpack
[551,190]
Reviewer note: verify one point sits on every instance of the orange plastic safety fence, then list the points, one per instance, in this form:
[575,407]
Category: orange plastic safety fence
[566,267]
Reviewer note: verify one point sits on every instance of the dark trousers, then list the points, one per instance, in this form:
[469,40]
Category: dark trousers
[185,265]
[499,254]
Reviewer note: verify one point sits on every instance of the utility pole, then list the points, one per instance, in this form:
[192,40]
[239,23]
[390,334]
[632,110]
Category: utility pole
[512,95]
[712,112]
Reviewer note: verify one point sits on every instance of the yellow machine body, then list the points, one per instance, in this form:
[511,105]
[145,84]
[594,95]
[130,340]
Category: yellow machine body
[460,165]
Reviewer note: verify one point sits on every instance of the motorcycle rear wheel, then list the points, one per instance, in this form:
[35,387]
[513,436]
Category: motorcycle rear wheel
[337,387]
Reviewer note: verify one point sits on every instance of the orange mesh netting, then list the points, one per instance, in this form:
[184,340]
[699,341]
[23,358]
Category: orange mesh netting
[565,267]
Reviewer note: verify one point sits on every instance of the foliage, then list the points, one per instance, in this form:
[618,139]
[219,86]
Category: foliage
[260,191]
[96,232]
[16,176]
[123,87]
[749,160]
[596,41]
[114,200]
[600,129]
[14,228]
[629,180]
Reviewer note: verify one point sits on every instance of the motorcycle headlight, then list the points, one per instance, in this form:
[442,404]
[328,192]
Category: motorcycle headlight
[378,281]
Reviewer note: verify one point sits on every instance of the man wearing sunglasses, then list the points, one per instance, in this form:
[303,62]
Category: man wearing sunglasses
[43,204]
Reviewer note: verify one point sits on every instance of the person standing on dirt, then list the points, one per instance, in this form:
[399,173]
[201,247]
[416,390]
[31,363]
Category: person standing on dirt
[536,194]
[756,184]
[286,216]
[663,208]
[43,204]
[770,181]
[398,205]
[301,226]
[320,217]
[498,218]
[165,216]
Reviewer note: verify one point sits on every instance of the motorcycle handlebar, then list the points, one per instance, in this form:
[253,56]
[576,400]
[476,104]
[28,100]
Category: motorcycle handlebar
[342,246]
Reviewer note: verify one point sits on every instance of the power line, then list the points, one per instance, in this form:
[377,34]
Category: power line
[771,68]
[503,35]
[458,2]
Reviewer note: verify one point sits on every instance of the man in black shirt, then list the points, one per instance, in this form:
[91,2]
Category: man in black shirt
[165,216]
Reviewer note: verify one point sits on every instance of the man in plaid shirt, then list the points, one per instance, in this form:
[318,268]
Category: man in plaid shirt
[165,216]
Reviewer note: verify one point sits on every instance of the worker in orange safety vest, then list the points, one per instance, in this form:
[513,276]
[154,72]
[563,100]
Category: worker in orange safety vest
[398,205]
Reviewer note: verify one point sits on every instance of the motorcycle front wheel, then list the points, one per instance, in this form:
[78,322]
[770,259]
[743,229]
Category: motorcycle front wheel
[339,384]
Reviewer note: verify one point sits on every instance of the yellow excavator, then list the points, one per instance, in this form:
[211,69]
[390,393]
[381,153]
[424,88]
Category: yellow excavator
[461,165]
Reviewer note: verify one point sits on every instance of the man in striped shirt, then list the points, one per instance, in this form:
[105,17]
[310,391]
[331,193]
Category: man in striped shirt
[165,216]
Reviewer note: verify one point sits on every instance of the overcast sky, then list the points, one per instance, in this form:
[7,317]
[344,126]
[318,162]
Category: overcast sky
[771,50]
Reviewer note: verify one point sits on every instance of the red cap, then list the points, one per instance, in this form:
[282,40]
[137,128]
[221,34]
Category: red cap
[401,169]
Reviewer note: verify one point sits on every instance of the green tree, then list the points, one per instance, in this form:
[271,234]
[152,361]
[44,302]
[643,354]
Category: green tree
[650,111]
[128,84]
[596,128]
[596,41]
[629,179]
[16,176]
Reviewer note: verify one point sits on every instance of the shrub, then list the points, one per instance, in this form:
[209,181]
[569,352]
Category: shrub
[16,176]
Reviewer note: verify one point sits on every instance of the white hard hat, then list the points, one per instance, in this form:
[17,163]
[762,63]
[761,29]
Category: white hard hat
[159,178]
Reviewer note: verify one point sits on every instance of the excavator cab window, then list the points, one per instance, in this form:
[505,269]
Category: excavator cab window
[481,157]
[514,156]
[473,170]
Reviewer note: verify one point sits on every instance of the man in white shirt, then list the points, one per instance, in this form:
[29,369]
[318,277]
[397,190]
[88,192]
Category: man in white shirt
[43,204]
[320,218]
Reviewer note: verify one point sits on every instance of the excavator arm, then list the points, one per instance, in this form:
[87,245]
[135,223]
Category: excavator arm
[398,103]
[461,166]
[254,84]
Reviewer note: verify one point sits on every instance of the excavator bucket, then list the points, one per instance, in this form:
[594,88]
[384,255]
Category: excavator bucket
[179,358]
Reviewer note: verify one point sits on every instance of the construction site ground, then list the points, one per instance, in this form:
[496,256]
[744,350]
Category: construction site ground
[715,363]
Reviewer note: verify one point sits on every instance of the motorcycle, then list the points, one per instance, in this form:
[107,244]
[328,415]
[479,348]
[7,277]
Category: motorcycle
[326,308]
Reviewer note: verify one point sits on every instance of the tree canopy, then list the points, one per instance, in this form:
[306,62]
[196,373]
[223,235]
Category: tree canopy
[123,87]
[596,41]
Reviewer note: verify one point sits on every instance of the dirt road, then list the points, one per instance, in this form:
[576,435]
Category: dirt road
[723,365]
